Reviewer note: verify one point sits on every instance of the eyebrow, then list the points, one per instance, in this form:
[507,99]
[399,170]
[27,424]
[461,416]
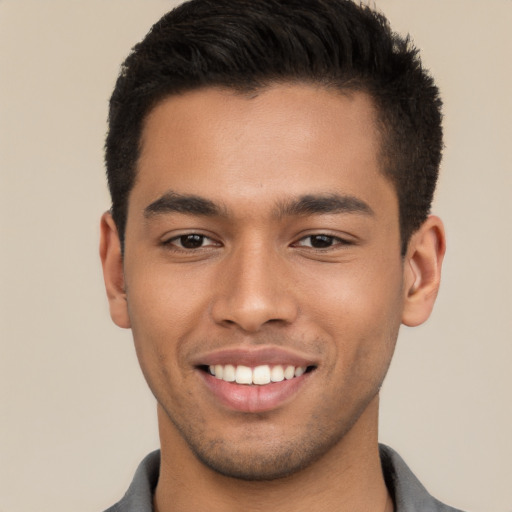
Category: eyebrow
[324,204]
[172,202]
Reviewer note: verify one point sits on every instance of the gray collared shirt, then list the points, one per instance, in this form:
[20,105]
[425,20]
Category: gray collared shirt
[406,490]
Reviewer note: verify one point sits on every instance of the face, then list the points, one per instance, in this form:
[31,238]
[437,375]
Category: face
[262,272]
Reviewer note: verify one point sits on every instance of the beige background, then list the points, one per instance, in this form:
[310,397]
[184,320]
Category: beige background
[76,416]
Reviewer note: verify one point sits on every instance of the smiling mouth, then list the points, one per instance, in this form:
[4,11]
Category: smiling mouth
[259,375]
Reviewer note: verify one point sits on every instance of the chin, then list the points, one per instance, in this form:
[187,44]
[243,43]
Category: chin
[258,467]
[264,458]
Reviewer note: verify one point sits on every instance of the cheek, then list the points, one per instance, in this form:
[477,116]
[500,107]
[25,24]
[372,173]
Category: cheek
[358,307]
[161,298]
[160,311]
[159,319]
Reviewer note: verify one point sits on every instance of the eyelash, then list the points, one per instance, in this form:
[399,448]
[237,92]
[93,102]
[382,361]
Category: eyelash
[333,241]
[172,242]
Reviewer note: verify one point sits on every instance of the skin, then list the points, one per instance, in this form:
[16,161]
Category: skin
[256,279]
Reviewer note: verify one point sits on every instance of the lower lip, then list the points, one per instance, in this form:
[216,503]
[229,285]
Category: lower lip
[254,398]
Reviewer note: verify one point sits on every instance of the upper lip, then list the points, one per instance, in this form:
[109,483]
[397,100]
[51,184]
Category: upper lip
[254,356]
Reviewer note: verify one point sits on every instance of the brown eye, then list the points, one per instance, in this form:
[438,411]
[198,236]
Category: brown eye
[318,241]
[192,241]
[321,241]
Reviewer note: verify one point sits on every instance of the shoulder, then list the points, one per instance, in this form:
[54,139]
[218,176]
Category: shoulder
[407,491]
[139,496]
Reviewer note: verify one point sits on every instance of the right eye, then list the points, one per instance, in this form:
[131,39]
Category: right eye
[191,241]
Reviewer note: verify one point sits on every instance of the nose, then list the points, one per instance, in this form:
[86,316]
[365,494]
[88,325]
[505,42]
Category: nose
[254,291]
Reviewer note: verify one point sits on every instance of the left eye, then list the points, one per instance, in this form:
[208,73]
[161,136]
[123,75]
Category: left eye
[191,241]
[320,241]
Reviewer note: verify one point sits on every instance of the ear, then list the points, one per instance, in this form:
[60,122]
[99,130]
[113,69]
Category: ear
[422,271]
[112,263]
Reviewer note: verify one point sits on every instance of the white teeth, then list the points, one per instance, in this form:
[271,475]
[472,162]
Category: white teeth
[260,375]
[299,371]
[219,371]
[229,374]
[277,374]
[289,372]
[243,375]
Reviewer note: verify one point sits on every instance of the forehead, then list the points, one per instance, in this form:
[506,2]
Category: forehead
[284,139]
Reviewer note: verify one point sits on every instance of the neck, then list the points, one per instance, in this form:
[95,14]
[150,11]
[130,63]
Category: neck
[347,478]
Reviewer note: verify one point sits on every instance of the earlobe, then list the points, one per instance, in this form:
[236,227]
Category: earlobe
[113,275]
[422,271]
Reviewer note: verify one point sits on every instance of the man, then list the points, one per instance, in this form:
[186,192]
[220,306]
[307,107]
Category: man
[271,166]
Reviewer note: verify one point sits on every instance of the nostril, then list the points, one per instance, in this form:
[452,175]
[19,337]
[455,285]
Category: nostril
[249,308]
